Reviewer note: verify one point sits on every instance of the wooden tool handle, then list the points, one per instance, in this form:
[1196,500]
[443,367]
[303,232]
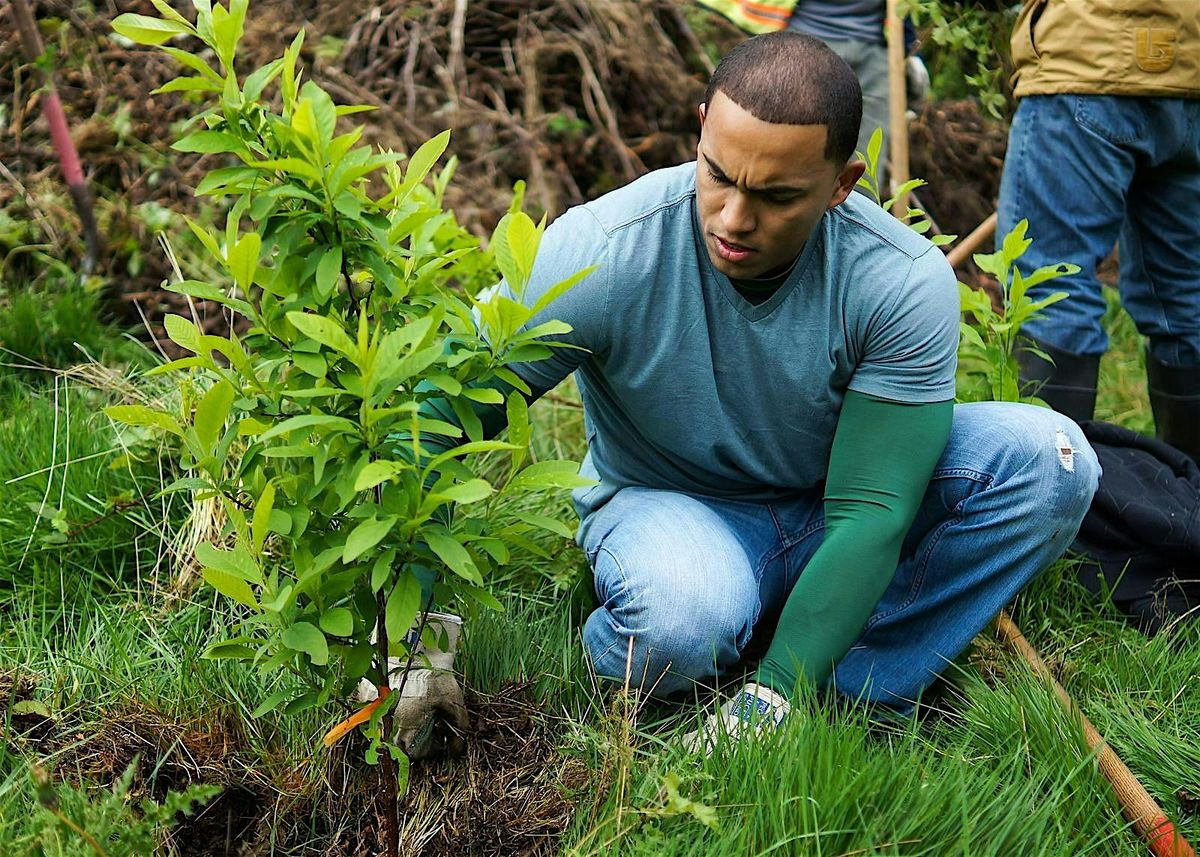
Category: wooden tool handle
[1137,805]
[961,251]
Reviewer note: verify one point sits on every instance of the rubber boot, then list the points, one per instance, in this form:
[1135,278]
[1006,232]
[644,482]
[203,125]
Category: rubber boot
[1175,401]
[1068,384]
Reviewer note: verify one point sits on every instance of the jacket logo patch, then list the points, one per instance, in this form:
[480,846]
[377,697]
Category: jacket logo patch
[1155,49]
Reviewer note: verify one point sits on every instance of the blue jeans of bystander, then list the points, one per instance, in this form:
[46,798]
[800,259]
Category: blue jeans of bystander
[1086,170]
[684,581]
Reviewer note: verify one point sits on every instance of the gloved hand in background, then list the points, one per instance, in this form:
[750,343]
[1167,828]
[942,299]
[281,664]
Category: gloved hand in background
[430,715]
[916,79]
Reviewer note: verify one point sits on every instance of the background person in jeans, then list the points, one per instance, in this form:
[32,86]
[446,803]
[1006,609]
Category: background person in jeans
[766,363]
[1105,145]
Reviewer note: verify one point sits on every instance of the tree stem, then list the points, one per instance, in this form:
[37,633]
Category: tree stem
[389,794]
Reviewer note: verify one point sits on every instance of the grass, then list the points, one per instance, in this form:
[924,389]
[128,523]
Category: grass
[97,632]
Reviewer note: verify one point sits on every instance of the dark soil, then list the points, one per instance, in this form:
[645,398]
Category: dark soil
[510,794]
[960,153]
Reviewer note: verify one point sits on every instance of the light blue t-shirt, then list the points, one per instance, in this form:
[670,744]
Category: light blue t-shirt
[855,20]
[688,386]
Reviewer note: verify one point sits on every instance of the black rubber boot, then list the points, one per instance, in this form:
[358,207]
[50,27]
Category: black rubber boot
[1175,400]
[1068,384]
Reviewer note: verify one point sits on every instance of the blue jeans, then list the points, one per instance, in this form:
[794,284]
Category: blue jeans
[1087,170]
[685,581]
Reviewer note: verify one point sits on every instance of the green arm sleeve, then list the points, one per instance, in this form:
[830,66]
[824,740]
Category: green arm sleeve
[877,478]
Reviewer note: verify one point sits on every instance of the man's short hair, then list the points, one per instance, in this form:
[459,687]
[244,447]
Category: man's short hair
[789,78]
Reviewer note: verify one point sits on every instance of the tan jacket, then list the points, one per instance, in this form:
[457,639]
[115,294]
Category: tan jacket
[1108,47]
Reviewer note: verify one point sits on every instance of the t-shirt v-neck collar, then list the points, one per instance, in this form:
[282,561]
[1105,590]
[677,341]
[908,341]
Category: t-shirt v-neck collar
[747,309]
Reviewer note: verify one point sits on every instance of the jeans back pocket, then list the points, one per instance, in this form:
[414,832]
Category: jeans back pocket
[1118,119]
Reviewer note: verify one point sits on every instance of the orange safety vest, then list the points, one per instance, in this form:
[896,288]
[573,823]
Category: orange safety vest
[754,16]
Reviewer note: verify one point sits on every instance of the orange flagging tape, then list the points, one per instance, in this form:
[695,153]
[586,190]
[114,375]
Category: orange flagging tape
[1165,841]
[357,718]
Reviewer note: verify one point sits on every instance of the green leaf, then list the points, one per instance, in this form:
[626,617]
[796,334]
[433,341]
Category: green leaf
[231,587]
[183,333]
[549,474]
[186,84]
[308,421]
[235,649]
[337,622]
[403,604]
[237,562]
[271,703]
[325,331]
[31,707]
[519,430]
[146,30]
[366,535]
[212,412]
[307,638]
[140,415]
[324,114]
[522,243]
[185,59]
[453,554]
[471,448]
[262,516]
[295,166]
[424,158]
[484,395]
[466,492]
[560,288]
[482,597]
[328,271]
[243,260]
[258,80]
[546,523]
[208,141]
[382,570]
[375,473]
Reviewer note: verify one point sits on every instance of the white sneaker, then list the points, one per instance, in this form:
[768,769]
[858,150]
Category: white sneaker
[754,708]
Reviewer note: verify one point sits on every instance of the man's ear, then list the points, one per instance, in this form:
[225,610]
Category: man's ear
[702,110]
[846,181]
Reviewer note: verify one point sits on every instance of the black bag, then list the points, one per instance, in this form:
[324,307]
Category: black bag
[1141,537]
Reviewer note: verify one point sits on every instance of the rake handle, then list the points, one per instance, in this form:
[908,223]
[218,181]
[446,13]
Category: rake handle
[1137,805]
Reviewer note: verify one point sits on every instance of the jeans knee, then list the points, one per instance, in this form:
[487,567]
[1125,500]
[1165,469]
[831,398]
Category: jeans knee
[669,647]
[1061,467]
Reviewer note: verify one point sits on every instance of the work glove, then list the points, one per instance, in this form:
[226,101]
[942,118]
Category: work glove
[430,715]
[753,710]
[916,79]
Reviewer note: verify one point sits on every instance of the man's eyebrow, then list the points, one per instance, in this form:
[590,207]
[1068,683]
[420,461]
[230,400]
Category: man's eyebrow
[771,189]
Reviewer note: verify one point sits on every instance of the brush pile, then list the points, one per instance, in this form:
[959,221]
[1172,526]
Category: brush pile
[575,97]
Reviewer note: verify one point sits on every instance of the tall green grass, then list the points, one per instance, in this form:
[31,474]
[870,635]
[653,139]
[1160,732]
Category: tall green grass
[989,766]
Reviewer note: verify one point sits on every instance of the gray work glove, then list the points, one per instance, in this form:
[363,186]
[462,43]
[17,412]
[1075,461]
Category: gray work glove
[430,715]
[916,79]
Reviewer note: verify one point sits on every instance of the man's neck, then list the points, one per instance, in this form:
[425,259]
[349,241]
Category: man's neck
[759,289]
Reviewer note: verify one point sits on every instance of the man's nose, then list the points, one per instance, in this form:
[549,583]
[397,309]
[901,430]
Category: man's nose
[737,215]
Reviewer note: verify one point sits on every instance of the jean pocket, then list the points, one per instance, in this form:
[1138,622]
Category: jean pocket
[1118,120]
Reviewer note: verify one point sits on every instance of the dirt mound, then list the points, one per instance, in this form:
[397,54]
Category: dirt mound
[960,152]
[510,794]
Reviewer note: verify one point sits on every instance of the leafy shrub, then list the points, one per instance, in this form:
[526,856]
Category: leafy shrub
[330,433]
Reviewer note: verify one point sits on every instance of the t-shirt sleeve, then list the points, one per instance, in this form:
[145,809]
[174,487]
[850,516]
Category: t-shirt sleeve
[571,243]
[911,341]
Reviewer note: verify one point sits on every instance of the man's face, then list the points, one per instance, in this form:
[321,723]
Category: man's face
[761,188]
